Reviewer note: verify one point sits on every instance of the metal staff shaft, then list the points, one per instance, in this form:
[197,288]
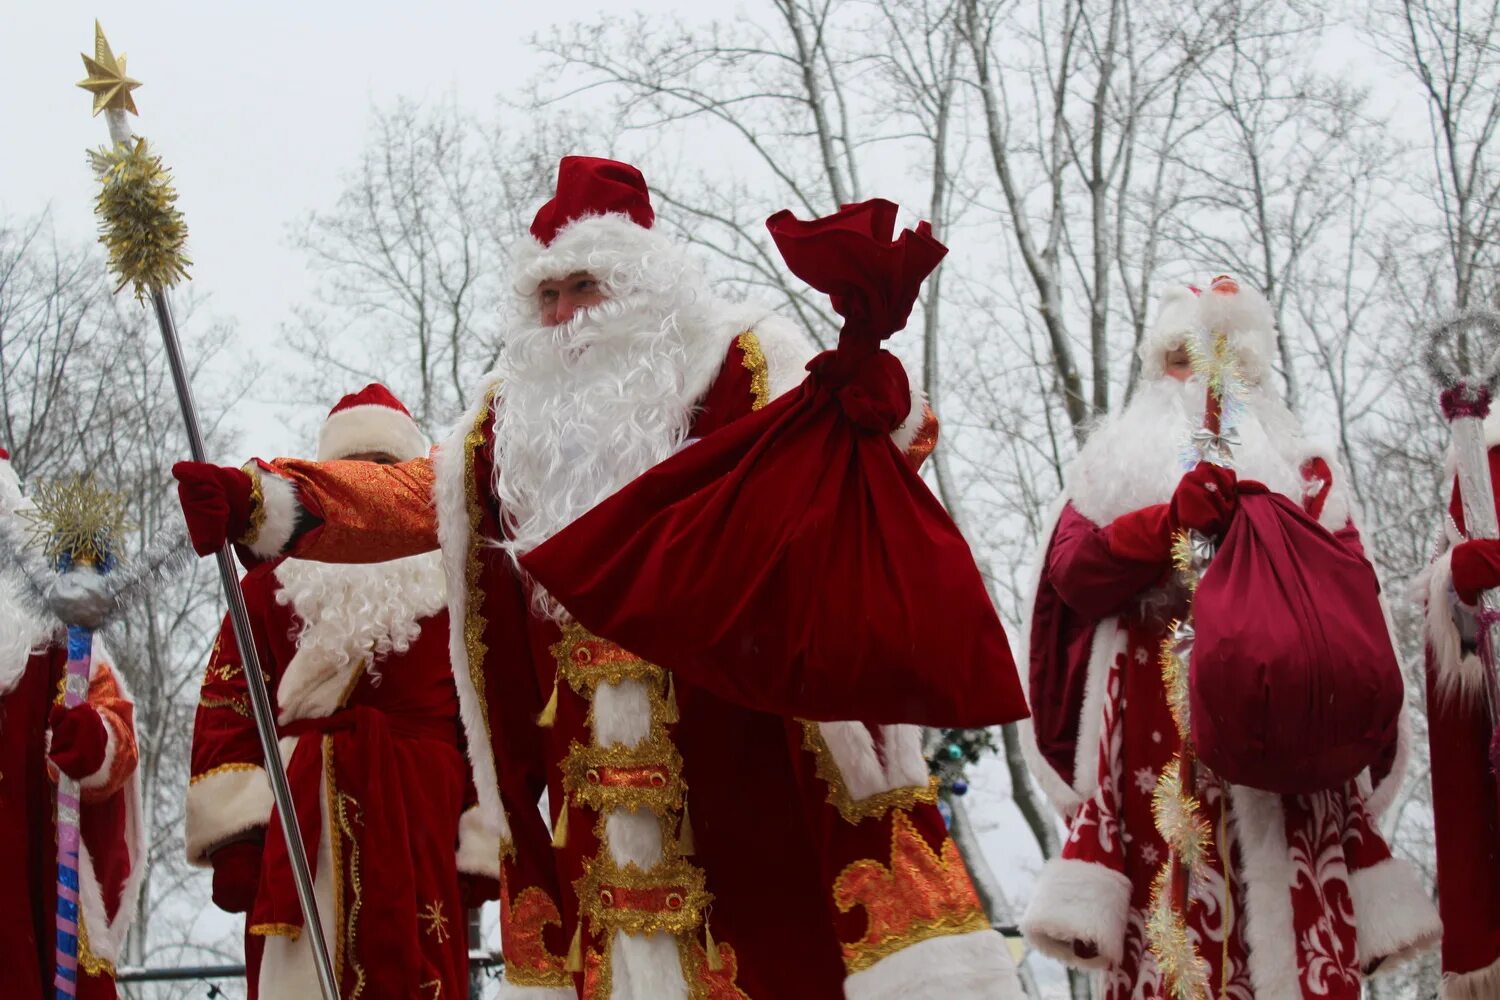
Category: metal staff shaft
[260,700]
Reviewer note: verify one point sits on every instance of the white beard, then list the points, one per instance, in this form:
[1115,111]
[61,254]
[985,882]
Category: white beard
[350,615]
[21,630]
[1135,459]
[588,406]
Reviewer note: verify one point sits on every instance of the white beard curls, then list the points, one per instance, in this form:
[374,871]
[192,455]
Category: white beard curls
[1135,458]
[587,406]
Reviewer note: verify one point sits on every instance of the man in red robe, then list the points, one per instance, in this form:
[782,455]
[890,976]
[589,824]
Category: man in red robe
[1309,899]
[357,665]
[695,848]
[93,743]
[1460,728]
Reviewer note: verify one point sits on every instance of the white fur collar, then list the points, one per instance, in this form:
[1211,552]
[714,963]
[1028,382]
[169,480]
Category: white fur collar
[352,617]
[21,634]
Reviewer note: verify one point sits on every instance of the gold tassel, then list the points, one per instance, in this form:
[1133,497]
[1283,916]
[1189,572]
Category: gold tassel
[560,831]
[575,949]
[549,713]
[715,962]
[671,713]
[685,832]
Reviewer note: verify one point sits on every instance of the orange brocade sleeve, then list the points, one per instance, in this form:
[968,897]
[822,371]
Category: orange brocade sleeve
[363,512]
[118,715]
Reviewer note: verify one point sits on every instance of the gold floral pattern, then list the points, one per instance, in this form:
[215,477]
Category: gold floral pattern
[668,897]
[922,894]
[527,960]
[705,983]
[585,661]
[645,776]
[873,806]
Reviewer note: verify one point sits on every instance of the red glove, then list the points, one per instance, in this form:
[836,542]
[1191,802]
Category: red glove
[1143,535]
[1205,500]
[1476,568]
[236,875]
[215,503]
[476,890]
[79,738]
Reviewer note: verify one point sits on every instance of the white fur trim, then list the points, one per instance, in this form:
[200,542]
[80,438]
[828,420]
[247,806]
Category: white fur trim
[286,965]
[1063,797]
[353,617]
[280,504]
[973,966]
[1110,642]
[510,991]
[1378,797]
[223,805]
[12,498]
[867,773]
[1176,320]
[1481,984]
[1078,901]
[646,966]
[1269,873]
[100,777]
[621,713]
[450,473]
[368,428]
[634,838]
[107,937]
[1459,672]
[786,347]
[1393,917]
[610,247]
[21,632]
[911,424]
[478,847]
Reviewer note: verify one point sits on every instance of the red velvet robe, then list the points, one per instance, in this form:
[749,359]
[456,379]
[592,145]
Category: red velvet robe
[1466,807]
[374,757]
[811,855]
[1310,898]
[111,870]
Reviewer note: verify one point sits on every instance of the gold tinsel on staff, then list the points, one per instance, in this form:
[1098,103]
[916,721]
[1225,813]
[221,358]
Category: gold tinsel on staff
[139,223]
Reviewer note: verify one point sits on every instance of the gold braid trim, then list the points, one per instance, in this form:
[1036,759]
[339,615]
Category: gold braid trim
[239,706]
[645,776]
[344,811]
[669,896]
[857,810]
[257,505]
[87,960]
[760,371]
[474,623]
[290,931]
[223,769]
[585,661]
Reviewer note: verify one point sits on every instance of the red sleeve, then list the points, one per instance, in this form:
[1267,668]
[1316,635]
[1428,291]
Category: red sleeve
[1088,577]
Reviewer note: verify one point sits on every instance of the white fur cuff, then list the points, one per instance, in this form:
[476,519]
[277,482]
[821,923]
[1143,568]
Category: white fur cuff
[100,778]
[280,506]
[222,804]
[1459,673]
[973,966]
[478,847]
[1083,902]
[1393,916]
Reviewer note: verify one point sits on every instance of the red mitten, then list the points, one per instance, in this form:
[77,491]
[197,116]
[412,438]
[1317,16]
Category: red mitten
[215,503]
[79,738]
[1476,568]
[1205,499]
[476,890]
[236,875]
[1143,535]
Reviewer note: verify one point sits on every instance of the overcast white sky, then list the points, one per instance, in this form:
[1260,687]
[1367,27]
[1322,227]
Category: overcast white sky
[258,108]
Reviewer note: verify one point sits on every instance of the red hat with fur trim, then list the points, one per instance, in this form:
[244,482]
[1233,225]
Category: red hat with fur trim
[1226,307]
[371,420]
[599,222]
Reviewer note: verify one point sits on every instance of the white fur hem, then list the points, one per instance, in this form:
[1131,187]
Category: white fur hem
[1459,673]
[972,966]
[222,805]
[1269,873]
[370,428]
[448,491]
[280,505]
[911,425]
[510,991]
[1078,901]
[478,847]
[1394,918]
[1481,984]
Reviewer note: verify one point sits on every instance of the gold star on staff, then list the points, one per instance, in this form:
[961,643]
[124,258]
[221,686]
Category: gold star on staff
[107,80]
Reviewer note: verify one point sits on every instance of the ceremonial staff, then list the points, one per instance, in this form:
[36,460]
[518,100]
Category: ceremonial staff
[145,235]
[1465,399]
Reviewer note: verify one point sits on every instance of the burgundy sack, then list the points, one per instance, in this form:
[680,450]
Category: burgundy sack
[792,562]
[1294,685]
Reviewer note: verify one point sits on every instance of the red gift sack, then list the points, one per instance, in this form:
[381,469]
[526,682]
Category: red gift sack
[792,562]
[1293,683]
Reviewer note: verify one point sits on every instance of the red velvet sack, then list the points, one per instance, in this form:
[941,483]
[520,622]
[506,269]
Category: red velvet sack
[792,562]
[1294,685]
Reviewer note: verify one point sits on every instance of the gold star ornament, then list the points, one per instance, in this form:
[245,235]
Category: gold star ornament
[107,80]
